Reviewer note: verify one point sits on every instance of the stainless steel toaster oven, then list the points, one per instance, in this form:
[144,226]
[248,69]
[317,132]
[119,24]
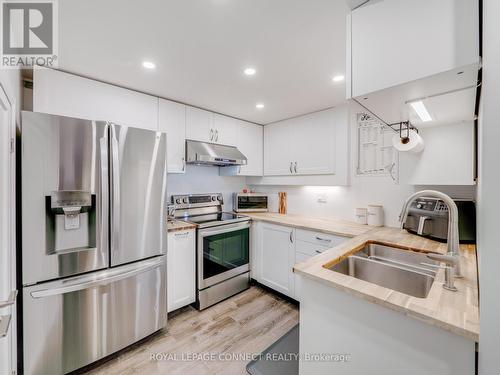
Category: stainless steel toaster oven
[250,202]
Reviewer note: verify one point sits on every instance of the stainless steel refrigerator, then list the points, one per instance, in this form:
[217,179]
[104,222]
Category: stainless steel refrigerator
[93,239]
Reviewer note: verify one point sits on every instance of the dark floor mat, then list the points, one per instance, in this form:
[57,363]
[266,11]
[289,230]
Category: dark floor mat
[288,365]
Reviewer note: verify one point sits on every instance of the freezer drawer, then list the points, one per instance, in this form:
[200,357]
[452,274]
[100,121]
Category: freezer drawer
[71,323]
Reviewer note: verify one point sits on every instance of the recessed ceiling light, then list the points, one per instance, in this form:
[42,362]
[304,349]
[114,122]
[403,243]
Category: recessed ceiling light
[148,64]
[338,78]
[250,71]
[259,105]
[421,111]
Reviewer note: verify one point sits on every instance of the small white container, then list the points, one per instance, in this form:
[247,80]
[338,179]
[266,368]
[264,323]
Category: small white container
[375,215]
[361,216]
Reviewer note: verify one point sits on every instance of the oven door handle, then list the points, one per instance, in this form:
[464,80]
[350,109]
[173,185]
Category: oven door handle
[223,229]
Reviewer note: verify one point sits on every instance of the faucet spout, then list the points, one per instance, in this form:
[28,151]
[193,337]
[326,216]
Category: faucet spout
[453,247]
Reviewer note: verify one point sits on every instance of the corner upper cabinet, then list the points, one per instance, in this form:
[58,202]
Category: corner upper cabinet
[172,120]
[250,141]
[251,144]
[408,50]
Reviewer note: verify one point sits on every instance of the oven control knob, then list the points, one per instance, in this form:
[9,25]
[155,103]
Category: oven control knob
[219,198]
[185,200]
[214,198]
[178,201]
[419,205]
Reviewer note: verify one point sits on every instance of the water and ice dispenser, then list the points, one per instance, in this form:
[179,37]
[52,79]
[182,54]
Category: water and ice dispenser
[71,216]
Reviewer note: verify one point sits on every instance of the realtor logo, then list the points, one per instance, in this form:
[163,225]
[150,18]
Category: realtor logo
[29,33]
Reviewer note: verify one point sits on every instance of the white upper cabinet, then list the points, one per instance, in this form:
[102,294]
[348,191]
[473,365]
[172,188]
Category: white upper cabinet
[398,41]
[402,51]
[66,94]
[206,126]
[225,130]
[277,148]
[447,159]
[313,144]
[251,144]
[199,124]
[250,141]
[304,145]
[172,120]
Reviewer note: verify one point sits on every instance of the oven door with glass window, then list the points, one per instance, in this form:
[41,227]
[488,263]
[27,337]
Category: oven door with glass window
[223,252]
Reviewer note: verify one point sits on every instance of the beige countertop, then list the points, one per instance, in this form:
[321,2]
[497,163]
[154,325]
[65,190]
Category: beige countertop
[457,312]
[330,226]
[177,225]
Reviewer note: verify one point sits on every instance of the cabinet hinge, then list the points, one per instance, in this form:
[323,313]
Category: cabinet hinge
[12,145]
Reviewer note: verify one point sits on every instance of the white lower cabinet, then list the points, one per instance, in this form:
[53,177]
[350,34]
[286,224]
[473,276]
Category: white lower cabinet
[276,249]
[277,257]
[181,269]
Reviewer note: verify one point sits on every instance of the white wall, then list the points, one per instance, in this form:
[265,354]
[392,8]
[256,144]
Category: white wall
[488,194]
[343,200]
[199,179]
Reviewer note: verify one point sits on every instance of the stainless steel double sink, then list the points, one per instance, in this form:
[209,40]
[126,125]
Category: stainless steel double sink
[406,271]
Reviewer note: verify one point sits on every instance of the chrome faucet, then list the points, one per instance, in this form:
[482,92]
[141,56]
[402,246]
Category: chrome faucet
[453,248]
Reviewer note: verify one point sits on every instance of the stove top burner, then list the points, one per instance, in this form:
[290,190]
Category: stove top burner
[205,210]
[214,219]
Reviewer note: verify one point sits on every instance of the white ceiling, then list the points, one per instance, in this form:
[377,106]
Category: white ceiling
[201,47]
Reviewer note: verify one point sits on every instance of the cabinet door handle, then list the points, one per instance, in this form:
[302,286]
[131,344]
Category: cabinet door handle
[183,164]
[183,234]
[295,167]
[291,170]
[211,134]
[216,135]
[319,252]
[239,169]
[291,237]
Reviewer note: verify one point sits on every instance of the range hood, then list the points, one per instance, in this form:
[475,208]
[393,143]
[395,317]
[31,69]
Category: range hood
[203,153]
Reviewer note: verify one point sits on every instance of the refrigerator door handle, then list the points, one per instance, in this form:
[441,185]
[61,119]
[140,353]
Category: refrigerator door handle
[115,192]
[109,276]
[104,190]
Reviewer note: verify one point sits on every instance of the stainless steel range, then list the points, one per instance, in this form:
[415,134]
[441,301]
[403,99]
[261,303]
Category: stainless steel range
[223,251]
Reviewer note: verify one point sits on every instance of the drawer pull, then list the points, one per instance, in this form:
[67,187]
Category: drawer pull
[319,251]
[323,239]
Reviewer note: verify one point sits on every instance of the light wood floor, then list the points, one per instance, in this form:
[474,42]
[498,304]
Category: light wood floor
[246,323]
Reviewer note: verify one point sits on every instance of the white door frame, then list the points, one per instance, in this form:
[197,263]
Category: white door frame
[8,223]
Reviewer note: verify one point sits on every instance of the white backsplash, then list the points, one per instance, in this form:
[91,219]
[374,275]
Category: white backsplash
[341,201]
